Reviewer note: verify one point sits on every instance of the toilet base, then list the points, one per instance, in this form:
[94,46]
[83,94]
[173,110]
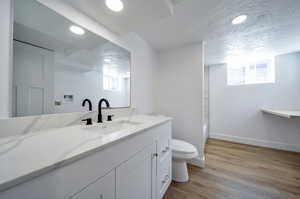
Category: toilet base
[180,171]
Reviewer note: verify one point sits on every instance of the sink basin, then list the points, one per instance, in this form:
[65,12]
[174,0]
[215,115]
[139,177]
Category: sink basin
[110,127]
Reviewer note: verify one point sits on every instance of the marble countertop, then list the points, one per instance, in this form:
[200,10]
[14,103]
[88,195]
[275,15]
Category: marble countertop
[24,157]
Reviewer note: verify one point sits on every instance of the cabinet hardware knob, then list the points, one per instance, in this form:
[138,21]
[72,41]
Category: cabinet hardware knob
[166,177]
[166,150]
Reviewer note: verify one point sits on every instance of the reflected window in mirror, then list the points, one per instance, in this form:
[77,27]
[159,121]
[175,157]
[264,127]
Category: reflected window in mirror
[111,79]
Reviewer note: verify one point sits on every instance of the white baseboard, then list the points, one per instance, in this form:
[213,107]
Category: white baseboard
[198,161]
[255,142]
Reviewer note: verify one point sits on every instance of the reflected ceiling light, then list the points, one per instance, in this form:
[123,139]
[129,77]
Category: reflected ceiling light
[240,19]
[77,30]
[115,5]
[107,60]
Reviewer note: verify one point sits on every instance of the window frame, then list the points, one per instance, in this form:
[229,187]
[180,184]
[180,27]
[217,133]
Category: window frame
[271,74]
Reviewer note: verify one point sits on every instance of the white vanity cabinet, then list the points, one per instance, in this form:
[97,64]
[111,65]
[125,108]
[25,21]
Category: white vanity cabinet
[103,188]
[134,177]
[136,167]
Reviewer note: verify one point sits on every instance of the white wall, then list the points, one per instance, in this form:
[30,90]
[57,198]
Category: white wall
[179,93]
[5,58]
[235,110]
[144,62]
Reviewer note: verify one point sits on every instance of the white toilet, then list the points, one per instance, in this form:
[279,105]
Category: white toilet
[181,152]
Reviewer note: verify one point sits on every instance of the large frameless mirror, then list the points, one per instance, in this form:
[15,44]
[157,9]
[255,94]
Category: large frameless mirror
[57,64]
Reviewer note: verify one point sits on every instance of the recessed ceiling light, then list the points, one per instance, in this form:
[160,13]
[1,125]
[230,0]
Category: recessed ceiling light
[77,30]
[115,5]
[240,19]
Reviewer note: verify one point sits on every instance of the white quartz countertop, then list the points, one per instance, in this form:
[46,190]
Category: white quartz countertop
[27,156]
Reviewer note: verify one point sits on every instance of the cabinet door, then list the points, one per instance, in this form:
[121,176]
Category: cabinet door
[135,177]
[104,188]
[164,170]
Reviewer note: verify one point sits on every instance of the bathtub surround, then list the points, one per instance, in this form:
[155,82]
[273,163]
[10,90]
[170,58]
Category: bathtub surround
[180,92]
[235,111]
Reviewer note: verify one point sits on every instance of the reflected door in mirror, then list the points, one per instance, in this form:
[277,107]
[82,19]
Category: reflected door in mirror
[32,80]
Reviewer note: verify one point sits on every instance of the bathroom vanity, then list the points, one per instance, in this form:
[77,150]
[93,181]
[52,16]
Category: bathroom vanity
[128,158]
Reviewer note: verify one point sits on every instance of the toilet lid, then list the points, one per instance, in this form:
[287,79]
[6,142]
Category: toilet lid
[182,146]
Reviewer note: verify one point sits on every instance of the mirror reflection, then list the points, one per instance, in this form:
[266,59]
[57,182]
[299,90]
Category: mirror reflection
[58,64]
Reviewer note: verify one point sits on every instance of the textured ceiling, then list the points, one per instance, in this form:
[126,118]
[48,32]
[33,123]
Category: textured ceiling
[136,13]
[273,26]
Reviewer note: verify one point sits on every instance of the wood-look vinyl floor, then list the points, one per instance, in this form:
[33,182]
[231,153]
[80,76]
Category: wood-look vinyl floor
[237,171]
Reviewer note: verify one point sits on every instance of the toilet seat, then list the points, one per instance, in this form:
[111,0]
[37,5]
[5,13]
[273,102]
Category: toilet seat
[183,150]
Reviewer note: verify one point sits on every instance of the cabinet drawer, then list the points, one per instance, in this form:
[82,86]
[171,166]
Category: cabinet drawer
[163,147]
[104,188]
[164,141]
[164,173]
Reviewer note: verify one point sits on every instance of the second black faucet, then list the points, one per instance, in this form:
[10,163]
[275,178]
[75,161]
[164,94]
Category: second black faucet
[100,120]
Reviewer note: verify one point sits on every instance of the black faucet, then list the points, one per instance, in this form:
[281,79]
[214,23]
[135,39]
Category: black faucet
[100,109]
[90,104]
[89,121]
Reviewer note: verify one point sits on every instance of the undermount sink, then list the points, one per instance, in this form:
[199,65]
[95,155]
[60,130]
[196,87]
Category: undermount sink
[110,127]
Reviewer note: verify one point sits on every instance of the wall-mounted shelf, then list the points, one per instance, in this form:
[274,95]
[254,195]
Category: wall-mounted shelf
[283,113]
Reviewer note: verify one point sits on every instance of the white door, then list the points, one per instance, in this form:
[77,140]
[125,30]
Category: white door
[135,177]
[32,81]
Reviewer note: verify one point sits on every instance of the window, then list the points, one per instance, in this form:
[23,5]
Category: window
[258,72]
[110,83]
[111,79]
